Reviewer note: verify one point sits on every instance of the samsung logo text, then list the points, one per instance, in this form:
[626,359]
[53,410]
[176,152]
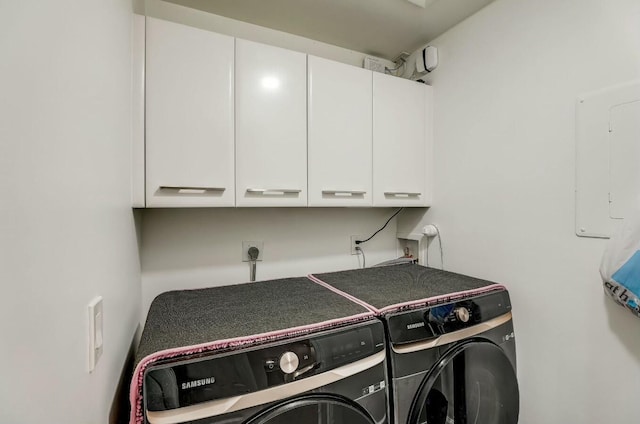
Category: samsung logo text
[198,383]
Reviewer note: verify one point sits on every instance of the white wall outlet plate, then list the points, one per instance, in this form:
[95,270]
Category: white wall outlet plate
[245,249]
[96,339]
[353,244]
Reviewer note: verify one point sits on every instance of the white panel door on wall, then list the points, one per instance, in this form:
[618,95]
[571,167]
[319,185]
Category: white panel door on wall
[402,142]
[607,147]
[340,126]
[624,152]
[189,116]
[271,126]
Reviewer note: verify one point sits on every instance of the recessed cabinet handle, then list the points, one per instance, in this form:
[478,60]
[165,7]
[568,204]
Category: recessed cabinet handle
[401,194]
[274,191]
[192,190]
[344,192]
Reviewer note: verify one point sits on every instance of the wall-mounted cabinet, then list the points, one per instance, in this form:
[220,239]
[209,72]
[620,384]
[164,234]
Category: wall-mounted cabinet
[230,122]
[271,126]
[401,141]
[189,116]
[339,119]
[137,108]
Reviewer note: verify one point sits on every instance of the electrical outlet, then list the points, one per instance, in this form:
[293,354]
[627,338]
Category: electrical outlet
[353,244]
[245,249]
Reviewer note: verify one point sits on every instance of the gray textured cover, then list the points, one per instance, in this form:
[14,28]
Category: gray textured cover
[389,285]
[191,317]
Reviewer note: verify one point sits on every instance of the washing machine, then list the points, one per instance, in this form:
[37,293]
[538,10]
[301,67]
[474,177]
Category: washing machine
[272,352]
[450,341]
[455,363]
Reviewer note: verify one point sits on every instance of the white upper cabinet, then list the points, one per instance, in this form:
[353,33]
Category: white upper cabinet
[340,126]
[189,116]
[271,126]
[137,109]
[230,122]
[402,142]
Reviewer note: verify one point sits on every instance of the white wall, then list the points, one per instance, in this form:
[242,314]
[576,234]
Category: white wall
[192,248]
[67,231]
[504,148]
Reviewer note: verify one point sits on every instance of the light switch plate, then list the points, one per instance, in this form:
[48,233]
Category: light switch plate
[96,340]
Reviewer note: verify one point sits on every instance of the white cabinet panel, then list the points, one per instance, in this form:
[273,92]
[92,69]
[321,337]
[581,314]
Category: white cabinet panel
[189,116]
[340,126]
[271,126]
[137,109]
[401,142]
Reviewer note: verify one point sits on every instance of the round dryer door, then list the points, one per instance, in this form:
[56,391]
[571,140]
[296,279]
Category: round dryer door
[314,409]
[472,383]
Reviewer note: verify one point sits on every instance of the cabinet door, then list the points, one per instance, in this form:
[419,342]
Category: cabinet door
[189,116]
[137,109]
[271,126]
[339,118]
[401,141]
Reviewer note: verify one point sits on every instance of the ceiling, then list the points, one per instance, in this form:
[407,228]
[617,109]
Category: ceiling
[383,28]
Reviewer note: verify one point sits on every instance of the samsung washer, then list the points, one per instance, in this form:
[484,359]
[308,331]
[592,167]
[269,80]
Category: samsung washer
[451,343]
[273,352]
[455,363]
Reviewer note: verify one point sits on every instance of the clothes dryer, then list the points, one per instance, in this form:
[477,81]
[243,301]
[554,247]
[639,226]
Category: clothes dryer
[451,342]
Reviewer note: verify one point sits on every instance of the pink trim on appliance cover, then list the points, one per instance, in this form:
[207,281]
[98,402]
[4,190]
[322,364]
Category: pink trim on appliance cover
[135,394]
[412,304]
[343,294]
[442,298]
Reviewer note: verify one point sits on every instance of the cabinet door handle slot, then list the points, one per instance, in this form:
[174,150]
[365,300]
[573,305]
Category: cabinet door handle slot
[274,191]
[192,190]
[401,194]
[344,193]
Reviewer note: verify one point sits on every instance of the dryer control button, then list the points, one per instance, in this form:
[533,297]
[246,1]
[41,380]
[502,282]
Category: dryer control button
[462,314]
[289,362]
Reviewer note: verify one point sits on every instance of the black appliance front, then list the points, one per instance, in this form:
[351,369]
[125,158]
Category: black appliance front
[337,377]
[314,408]
[455,363]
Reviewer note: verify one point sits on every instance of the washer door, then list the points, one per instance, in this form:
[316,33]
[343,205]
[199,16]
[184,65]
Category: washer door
[472,383]
[314,409]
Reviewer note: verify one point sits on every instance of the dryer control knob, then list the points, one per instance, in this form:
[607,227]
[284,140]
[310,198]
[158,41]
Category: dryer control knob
[289,362]
[462,314]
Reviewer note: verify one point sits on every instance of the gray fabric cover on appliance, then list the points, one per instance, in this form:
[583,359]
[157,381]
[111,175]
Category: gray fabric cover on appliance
[191,317]
[389,285]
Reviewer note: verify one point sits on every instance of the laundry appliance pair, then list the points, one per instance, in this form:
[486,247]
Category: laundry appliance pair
[323,349]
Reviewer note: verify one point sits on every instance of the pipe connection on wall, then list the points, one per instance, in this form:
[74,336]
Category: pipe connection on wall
[430,230]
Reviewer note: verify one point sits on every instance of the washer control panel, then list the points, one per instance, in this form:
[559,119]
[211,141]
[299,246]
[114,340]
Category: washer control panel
[290,360]
[205,377]
[427,323]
